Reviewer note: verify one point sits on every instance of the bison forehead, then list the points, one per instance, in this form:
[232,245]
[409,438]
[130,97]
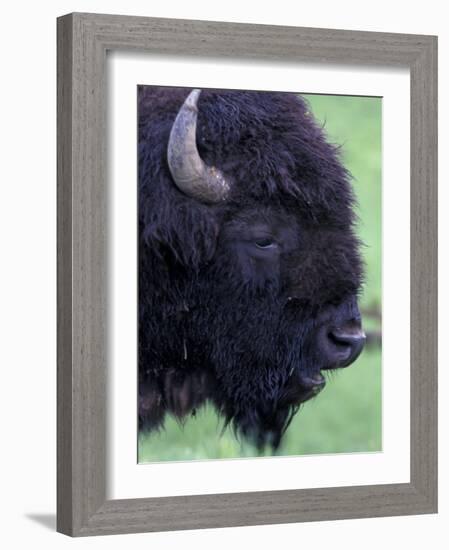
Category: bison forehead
[267,143]
[271,146]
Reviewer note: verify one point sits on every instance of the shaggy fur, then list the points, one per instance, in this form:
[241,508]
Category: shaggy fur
[226,316]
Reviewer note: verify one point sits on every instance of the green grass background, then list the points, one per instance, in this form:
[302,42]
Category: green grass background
[346,416]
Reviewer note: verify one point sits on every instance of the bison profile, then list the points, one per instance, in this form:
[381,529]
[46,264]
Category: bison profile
[249,268]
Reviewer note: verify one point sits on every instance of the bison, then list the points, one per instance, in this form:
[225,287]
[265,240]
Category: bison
[249,267]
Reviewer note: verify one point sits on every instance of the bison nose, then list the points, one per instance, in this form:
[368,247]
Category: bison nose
[344,345]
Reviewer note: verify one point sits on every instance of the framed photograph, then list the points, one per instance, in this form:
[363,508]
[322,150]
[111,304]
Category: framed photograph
[247,283]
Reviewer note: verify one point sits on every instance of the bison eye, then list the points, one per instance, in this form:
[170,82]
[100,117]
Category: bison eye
[265,243]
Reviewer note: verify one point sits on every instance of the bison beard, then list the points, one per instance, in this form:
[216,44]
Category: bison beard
[243,301]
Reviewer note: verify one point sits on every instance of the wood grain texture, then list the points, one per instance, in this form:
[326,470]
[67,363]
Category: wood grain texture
[423,272]
[83,40]
[64,276]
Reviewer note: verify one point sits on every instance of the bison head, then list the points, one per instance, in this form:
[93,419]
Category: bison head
[248,264]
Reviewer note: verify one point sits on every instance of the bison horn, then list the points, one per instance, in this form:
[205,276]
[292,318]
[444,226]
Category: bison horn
[190,173]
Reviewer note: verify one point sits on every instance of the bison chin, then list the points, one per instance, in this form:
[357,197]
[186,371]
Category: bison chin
[265,424]
[264,430]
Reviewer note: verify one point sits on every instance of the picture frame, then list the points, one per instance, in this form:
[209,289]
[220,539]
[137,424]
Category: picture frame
[83,41]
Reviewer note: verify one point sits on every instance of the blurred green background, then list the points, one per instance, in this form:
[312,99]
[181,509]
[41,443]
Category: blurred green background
[346,416]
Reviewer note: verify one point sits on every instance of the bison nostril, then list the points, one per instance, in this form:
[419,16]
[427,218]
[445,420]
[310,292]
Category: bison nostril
[347,345]
[347,338]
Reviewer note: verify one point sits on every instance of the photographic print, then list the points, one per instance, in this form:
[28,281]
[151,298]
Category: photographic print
[259,268]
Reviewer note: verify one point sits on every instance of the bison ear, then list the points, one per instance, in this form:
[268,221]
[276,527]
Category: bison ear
[183,230]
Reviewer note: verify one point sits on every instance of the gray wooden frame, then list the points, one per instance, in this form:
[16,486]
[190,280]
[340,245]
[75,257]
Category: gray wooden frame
[83,40]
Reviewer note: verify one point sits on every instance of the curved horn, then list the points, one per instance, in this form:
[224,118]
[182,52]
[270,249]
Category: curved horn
[191,174]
